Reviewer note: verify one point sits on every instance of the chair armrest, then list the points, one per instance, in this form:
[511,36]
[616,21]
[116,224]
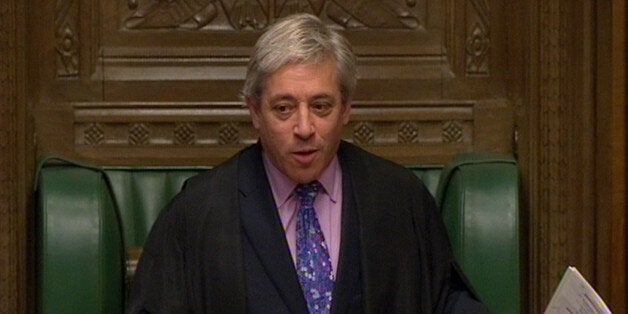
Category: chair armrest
[80,250]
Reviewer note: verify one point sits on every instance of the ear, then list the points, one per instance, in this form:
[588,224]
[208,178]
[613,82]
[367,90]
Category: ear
[346,112]
[254,111]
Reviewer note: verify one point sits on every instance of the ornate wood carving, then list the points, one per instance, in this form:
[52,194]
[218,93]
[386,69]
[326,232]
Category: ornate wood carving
[197,44]
[375,125]
[548,219]
[254,14]
[564,228]
[182,51]
[67,37]
[478,38]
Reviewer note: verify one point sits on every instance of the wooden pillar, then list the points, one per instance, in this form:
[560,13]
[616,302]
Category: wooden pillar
[613,119]
[14,190]
[572,146]
[557,151]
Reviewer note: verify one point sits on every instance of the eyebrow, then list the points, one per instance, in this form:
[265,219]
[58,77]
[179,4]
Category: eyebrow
[290,97]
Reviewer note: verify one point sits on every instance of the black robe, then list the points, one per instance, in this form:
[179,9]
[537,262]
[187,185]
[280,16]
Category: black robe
[219,246]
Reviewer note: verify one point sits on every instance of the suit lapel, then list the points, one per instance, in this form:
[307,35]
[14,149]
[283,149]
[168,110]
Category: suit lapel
[263,229]
[348,288]
[382,269]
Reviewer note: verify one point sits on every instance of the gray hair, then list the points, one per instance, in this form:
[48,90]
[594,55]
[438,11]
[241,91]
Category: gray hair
[299,38]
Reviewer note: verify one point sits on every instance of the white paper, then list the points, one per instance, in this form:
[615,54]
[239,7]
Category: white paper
[575,295]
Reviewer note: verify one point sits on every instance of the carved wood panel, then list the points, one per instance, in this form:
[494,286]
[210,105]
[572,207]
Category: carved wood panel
[103,74]
[132,77]
[187,129]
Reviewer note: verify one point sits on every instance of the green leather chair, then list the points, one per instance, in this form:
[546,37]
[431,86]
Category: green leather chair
[80,247]
[478,195]
[92,220]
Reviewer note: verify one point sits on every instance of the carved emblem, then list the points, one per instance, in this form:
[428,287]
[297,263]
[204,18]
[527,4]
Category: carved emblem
[452,132]
[94,134]
[139,134]
[257,14]
[363,133]
[408,133]
[478,38]
[228,134]
[67,39]
[184,134]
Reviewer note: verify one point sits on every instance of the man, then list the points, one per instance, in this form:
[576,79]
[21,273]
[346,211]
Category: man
[301,221]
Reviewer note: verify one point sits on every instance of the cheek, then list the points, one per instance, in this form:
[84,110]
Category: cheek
[274,131]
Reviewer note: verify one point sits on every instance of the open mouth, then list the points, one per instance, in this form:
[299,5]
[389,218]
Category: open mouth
[305,156]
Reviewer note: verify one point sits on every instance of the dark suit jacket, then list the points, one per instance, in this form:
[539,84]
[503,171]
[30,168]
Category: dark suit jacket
[219,247]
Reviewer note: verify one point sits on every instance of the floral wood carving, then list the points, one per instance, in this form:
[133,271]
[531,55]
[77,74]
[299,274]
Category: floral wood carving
[478,39]
[256,14]
[67,39]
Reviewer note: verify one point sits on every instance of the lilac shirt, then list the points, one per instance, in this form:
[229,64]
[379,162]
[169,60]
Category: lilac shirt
[328,206]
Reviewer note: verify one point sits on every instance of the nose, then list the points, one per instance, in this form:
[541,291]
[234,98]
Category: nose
[304,127]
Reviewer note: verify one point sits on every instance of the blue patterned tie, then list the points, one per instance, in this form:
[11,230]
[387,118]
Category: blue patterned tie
[313,261]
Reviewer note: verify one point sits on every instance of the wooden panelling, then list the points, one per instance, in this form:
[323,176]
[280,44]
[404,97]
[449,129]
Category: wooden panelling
[559,135]
[157,82]
[569,148]
[165,75]
[214,131]
[9,245]
[617,269]
[153,48]
[16,167]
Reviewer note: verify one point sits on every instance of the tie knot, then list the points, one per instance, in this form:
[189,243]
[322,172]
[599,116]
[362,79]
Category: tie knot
[307,192]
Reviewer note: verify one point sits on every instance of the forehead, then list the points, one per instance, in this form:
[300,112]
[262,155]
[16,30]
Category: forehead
[303,79]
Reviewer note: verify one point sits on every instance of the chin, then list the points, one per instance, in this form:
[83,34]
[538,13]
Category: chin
[305,177]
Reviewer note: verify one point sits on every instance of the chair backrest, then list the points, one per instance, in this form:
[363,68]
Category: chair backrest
[140,194]
[91,220]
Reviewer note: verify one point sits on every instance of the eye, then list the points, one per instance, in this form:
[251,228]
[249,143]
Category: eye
[322,108]
[283,110]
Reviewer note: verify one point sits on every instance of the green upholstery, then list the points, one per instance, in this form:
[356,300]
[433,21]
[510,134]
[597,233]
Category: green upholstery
[478,195]
[89,217]
[142,192]
[429,174]
[80,245]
